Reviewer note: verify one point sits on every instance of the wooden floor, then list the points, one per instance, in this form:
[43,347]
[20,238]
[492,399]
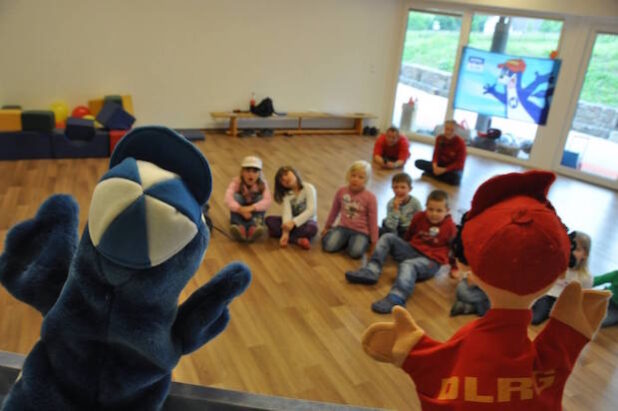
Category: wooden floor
[295,332]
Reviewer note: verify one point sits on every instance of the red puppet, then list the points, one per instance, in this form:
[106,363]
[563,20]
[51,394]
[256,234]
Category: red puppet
[516,247]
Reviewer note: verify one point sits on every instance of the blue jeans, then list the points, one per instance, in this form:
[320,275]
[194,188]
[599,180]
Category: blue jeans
[471,294]
[542,308]
[339,237]
[612,315]
[401,231]
[257,217]
[412,265]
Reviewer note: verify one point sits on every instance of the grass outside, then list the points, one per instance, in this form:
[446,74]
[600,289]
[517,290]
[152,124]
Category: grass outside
[437,49]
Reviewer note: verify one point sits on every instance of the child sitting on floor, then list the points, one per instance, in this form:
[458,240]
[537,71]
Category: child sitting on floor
[469,297]
[401,208]
[248,197]
[579,272]
[419,255]
[358,226]
[298,223]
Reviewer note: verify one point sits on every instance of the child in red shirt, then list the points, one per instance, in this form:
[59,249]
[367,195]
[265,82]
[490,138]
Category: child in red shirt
[449,157]
[391,150]
[420,253]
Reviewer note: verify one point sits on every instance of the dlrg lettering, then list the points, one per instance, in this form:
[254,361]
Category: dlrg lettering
[506,388]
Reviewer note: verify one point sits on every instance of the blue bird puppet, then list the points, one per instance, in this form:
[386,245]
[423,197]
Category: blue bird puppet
[112,330]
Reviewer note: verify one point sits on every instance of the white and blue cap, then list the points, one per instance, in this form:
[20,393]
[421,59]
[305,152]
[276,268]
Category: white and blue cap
[148,206]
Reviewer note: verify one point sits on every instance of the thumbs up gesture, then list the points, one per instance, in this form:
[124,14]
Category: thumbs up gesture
[392,341]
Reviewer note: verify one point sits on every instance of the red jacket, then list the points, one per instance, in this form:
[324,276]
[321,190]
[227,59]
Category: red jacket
[400,150]
[432,240]
[491,364]
[450,153]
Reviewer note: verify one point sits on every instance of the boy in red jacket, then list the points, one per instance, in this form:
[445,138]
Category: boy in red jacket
[449,156]
[420,253]
[516,247]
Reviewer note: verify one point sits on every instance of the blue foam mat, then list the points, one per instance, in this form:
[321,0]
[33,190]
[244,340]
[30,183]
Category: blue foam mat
[20,145]
[63,147]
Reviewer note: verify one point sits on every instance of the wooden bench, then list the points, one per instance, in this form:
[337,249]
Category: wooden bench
[356,129]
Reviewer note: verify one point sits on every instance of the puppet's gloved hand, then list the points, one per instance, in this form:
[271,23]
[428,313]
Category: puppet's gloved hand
[38,252]
[580,309]
[392,341]
[205,314]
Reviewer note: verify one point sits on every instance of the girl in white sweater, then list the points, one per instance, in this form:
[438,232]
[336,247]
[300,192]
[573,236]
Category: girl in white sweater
[298,223]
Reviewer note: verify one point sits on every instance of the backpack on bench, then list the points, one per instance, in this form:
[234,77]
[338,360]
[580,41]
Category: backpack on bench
[264,108]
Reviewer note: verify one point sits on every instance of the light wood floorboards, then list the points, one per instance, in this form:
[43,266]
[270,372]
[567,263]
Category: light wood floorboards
[295,332]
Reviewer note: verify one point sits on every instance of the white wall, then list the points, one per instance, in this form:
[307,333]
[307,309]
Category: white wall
[181,59]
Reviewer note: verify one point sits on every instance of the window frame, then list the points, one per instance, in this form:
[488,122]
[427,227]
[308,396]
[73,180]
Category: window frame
[593,31]
[547,148]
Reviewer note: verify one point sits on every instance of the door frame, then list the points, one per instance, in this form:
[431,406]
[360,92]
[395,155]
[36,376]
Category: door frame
[550,139]
[586,53]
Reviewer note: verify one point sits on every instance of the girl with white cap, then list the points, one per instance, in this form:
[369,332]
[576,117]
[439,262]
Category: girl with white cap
[248,198]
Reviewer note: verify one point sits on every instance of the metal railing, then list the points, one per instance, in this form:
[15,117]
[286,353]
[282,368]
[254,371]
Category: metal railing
[187,397]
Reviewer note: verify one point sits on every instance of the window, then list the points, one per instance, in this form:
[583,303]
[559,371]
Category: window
[592,143]
[427,65]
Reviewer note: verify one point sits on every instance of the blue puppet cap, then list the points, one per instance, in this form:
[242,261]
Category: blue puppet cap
[147,207]
[170,151]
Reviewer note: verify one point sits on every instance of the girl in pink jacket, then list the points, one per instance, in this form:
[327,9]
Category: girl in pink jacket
[248,197]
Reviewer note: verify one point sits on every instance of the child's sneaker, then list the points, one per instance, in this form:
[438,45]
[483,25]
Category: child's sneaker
[362,276]
[255,232]
[481,308]
[386,304]
[304,243]
[461,308]
[238,232]
[250,232]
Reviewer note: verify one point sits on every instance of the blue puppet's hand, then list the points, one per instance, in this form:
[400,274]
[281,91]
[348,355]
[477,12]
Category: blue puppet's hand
[204,315]
[38,252]
[489,88]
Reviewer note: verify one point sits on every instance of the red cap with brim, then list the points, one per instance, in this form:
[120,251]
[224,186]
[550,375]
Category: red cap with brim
[513,239]
[515,65]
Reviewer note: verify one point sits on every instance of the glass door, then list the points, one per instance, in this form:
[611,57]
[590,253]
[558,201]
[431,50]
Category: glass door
[429,53]
[591,147]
